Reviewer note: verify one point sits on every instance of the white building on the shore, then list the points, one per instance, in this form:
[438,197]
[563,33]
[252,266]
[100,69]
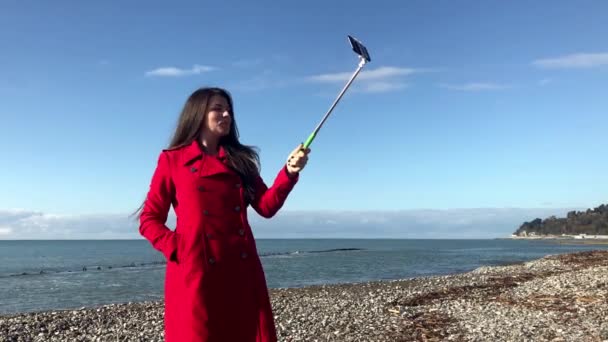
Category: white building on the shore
[586,236]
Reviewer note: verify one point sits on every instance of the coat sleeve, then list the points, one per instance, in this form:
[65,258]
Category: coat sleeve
[156,207]
[268,201]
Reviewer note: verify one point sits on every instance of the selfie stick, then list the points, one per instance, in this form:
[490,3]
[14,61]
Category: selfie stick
[363,58]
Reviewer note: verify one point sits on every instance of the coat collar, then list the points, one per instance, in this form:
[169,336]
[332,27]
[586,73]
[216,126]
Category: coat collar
[210,164]
[194,151]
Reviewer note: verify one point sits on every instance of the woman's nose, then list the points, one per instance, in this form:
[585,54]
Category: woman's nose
[226,113]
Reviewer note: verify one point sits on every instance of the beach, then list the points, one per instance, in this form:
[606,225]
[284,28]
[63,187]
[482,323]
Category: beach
[556,298]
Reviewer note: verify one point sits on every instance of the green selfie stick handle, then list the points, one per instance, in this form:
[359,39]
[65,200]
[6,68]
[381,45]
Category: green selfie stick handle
[308,141]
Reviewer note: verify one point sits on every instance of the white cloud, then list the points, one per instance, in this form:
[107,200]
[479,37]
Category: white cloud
[24,224]
[380,87]
[475,86]
[177,72]
[578,60]
[453,223]
[544,81]
[265,80]
[379,74]
[379,80]
[247,63]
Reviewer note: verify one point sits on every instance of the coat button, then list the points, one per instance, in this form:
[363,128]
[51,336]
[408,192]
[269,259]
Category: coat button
[241,232]
[201,188]
[211,261]
[237,208]
[209,235]
[244,255]
[193,169]
[205,212]
[237,185]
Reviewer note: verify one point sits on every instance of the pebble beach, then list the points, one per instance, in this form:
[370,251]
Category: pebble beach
[556,298]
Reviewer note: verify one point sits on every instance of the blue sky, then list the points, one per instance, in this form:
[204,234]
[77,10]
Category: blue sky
[468,104]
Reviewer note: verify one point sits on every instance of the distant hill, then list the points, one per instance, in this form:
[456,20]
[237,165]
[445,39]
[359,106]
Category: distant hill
[590,222]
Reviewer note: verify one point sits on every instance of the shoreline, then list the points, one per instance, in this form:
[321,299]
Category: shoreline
[559,297]
[561,240]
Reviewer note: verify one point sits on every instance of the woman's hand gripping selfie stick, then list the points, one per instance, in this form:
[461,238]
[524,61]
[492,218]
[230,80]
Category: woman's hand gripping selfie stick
[363,59]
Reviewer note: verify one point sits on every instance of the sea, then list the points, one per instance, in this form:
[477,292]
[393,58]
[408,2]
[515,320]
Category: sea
[68,274]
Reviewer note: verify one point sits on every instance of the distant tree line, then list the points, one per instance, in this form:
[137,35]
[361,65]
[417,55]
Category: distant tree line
[590,222]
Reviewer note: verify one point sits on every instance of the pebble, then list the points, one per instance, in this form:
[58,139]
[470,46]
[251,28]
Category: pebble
[556,298]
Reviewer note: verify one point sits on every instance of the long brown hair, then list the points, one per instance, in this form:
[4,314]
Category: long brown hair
[243,159]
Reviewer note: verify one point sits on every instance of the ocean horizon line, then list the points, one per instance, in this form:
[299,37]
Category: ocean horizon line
[280,238]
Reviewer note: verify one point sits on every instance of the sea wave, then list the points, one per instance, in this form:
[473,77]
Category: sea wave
[332,250]
[95,268]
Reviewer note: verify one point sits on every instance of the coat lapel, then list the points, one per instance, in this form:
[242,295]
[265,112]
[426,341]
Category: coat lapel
[214,165]
[209,165]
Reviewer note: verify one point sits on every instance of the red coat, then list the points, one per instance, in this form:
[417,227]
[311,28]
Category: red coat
[215,287]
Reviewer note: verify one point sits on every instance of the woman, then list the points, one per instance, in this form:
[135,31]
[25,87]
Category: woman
[215,287]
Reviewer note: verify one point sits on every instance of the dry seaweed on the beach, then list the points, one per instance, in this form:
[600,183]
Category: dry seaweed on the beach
[427,326]
[492,287]
[541,302]
[496,284]
[443,294]
[586,259]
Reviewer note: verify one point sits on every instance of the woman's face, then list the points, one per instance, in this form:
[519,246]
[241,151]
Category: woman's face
[218,119]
